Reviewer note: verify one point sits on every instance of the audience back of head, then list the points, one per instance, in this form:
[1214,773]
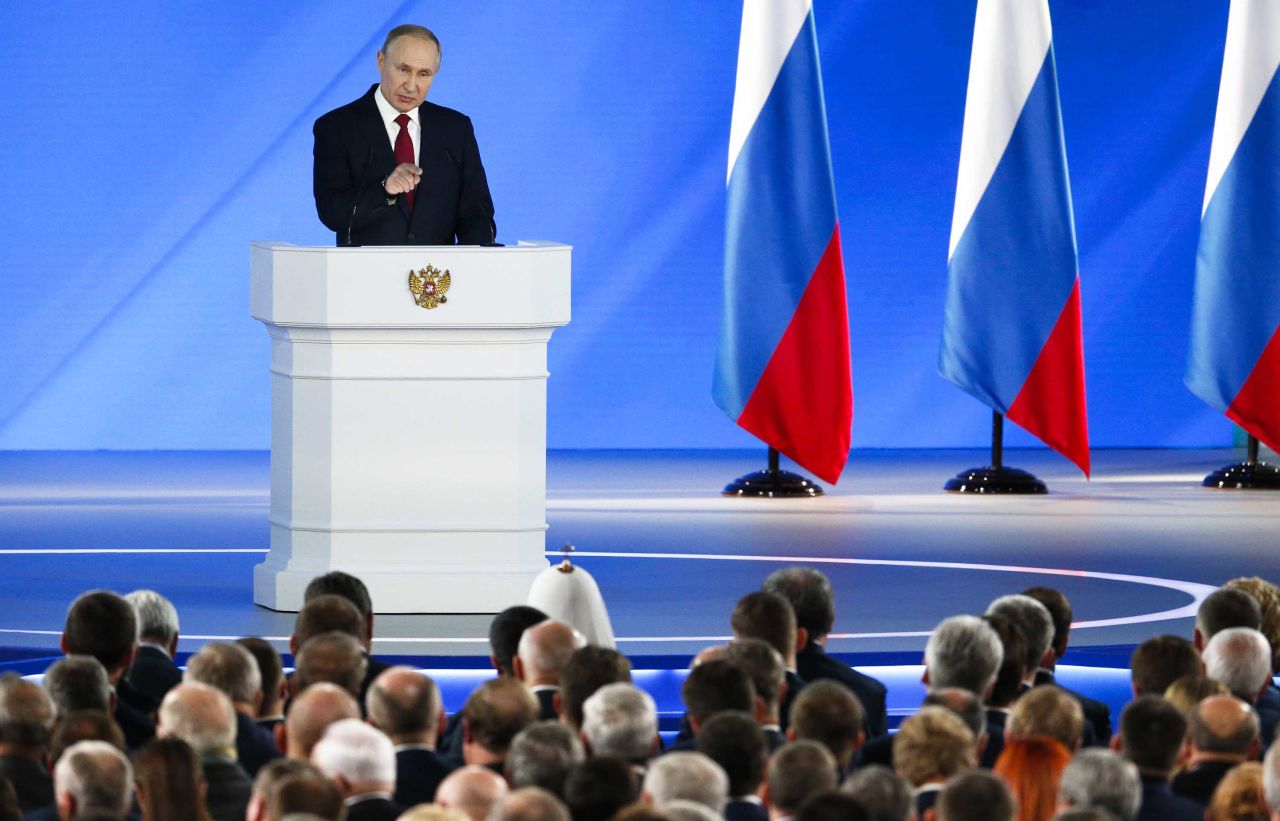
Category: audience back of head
[587,670]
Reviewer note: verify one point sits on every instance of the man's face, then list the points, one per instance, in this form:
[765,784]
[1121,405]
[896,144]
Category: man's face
[407,67]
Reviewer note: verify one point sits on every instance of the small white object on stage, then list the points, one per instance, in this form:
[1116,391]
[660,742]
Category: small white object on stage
[569,594]
[408,423]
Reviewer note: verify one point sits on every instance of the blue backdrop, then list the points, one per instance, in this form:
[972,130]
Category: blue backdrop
[144,148]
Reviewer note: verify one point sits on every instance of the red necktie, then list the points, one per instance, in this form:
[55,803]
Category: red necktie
[404,152]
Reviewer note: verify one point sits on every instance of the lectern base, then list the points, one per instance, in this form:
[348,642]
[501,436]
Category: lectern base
[401,593]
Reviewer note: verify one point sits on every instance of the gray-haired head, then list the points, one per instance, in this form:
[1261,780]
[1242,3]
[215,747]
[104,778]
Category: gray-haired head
[682,809]
[200,715]
[621,720]
[963,651]
[78,683]
[230,668]
[157,617]
[881,792]
[358,753]
[1240,658]
[541,755]
[26,713]
[1034,619]
[95,776]
[689,776]
[810,595]
[1100,778]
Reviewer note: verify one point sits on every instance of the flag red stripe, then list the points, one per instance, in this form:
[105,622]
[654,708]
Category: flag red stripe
[1256,408]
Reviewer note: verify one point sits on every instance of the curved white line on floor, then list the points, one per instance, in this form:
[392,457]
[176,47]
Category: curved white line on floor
[1195,590]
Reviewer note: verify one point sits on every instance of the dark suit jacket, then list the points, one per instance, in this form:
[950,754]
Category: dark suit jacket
[353,155]
[418,773]
[1097,715]
[228,791]
[153,673]
[547,704]
[1199,782]
[374,809]
[30,781]
[1160,804]
[255,745]
[813,663]
[133,713]
[736,809]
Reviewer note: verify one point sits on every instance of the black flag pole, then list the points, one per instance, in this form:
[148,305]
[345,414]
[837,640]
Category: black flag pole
[995,478]
[1251,474]
[773,483]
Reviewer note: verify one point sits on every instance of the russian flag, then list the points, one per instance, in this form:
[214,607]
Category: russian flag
[1012,335]
[782,365]
[1234,361]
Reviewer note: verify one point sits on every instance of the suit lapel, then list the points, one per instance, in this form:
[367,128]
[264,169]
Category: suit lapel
[430,149]
[375,133]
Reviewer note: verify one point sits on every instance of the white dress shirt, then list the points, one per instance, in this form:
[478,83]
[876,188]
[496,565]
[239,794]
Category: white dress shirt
[389,115]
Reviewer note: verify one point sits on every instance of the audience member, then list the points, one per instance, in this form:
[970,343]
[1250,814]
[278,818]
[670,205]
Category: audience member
[310,715]
[541,755]
[1047,711]
[1036,624]
[963,651]
[231,669]
[1268,597]
[362,762]
[203,717]
[1100,778]
[530,804]
[1271,780]
[930,747]
[26,725]
[588,670]
[334,657]
[267,777]
[167,782]
[1032,767]
[153,671]
[829,713]
[1189,691]
[832,805]
[1221,610]
[598,787]
[1096,714]
[472,790]
[976,795]
[78,683]
[714,687]
[275,689]
[337,583]
[1240,658]
[881,792]
[432,812]
[735,742]
[1223,731]
[1150,735]
[1160,661]
[691,776]
[405,705]
[86,725]
[1008,685]
[763,666]
[794,774]
[92,780]
[1239,795]
[813,601]
[543,651]
[769,617]
[621,721]
[287,786]
[103,625]
[495,711]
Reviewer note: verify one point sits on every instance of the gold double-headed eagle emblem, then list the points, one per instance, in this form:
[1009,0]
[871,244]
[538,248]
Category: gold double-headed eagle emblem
[429,287]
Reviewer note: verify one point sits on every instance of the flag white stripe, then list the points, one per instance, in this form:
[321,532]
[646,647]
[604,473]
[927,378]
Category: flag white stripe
[1251,59]
[769,27]
[1010,41]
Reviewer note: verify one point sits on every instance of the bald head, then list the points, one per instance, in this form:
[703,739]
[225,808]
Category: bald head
[543,652]
[474,790]
[531,804]
[405,704]
[311,714]
[200,715]
[1223,725]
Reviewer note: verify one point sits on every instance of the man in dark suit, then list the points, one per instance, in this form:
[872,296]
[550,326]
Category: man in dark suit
[346,586]
[26,724]
[392,169]
[362,761]
[811,597]
[405,705]
[544,650]
[1151,734]
[1096,713]
[204,717]
[1223,731]
[231,669]
[154,672]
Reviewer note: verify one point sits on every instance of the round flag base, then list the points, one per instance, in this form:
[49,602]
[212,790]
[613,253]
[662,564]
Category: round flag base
[995,480]
[1244,476]
[774,484]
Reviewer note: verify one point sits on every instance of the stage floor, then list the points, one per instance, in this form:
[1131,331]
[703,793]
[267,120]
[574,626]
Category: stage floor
[1135,548]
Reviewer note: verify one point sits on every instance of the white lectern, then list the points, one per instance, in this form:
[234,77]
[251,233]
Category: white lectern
[408,443]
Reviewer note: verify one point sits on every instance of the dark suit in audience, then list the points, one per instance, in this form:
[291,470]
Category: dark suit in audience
[795,683]
[30,781]
[744,809]
[255,745]
[419,772]
[773,738]
[1160,804]
[373,669]
[1199,782]
[1097,715]
[813,663]
[153,673]
[372,807]
[229,787]
[926,797]
[546,696]
[134,712]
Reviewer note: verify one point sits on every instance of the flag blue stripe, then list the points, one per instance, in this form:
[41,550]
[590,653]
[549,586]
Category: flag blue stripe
[1237,301]
[1015,263]
[781,215]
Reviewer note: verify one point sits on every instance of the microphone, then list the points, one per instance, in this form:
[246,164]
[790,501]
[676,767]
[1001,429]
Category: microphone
[364,179]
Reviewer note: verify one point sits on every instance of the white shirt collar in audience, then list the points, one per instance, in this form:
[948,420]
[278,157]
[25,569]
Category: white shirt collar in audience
[403,747]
